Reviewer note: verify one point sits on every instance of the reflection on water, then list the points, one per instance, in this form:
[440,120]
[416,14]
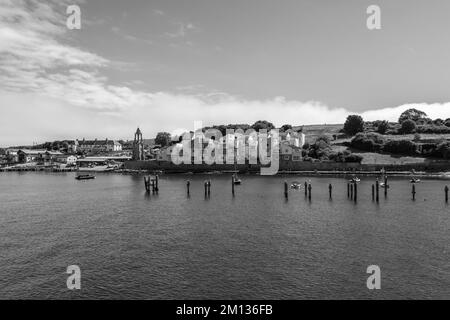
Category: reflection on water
[256,245]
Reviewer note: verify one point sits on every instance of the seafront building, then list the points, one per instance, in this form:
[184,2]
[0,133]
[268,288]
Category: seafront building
[97,146]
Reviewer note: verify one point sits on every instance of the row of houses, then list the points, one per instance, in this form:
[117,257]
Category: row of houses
[290,148]
[38,156]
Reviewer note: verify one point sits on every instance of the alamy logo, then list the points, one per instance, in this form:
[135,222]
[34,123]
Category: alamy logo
[236,147]
[374,280]
[74,18]
[374,20]
[74,280]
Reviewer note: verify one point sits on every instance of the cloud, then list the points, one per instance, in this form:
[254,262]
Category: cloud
[52,89]
[129,37]
[182,30]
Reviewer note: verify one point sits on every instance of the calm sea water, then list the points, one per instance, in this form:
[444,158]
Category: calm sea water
[254,246]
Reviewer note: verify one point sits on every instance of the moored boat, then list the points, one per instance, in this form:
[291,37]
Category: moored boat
[296,185]
[85,177]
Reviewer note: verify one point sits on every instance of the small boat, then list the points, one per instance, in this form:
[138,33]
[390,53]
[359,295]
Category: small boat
[383,185]
[85,177]
[296,185]
[414,180]
[355,179]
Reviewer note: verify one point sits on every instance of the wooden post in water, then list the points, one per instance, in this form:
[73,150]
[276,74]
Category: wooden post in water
[206,188]
[377,190]
[373,192]
[356,191]
[413,191]
[351,191]
[157,183]
[330,191]
[446,194]
[188,185]
[209,188]
[306,189]
[286,190]
[309,191]
[232,185]
[147,184]
[348,190]
[385,186]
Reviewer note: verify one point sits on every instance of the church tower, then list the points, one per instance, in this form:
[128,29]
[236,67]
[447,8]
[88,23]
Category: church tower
[138,146]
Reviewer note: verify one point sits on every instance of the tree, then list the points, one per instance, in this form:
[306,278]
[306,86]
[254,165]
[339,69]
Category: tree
[353,125]
[412,114]
[406,147]
[263,124]
[383,126]
[163,139]
[371,142]
[447,122]
[408,126]
[286,127]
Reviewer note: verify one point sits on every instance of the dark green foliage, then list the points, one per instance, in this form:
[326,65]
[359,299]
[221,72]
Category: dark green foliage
[405,147]
[353,125]
[382,127]
[286,127]
[443,150]
[412,114]
[163,139]
[263,124]
[408,126]
[371,142]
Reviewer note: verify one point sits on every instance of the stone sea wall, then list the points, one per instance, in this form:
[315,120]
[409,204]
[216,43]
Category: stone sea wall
[431,166]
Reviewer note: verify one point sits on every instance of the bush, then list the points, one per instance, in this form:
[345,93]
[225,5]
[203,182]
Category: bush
[345,156]
[443,150]
[412,114]
[353,125]
[447,122]
[405,147]
[371,142]
[408,126]
[433,129]
[382,127]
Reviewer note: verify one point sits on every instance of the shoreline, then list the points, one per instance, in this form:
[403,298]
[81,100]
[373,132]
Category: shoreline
[405,173]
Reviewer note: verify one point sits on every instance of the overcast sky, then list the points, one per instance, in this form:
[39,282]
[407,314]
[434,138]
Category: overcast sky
[163,64]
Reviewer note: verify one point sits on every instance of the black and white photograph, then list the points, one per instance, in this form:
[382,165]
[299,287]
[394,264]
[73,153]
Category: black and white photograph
[224,150]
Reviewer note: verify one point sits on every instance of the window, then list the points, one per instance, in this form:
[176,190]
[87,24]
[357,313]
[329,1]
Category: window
[286,157]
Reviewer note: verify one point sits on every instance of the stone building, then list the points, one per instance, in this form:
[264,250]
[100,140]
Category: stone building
[138,146]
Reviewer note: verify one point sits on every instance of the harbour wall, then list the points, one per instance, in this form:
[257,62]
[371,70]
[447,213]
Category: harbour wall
[431,166]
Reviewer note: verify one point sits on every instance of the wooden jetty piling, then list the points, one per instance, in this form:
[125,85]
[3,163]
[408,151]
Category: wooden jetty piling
[413,191]
[356,191]
[286,192]
[351,191]
[330,191]
[147,184]
[377,190]
[209,188]
[309,191]
[385,186]
[373,192]
[348,190]
[446,194]
[156,183]
[306,189]
[232,185]
[188,185]
[206,188]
